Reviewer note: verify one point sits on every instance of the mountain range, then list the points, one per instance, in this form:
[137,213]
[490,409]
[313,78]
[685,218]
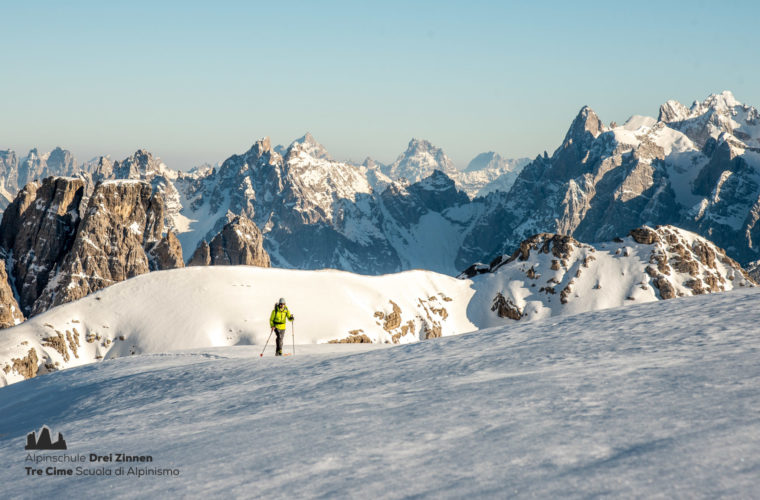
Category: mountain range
[693,167]
[296,207]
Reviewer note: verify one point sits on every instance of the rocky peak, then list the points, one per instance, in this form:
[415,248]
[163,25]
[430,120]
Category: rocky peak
[102,168]
[8,175]
[672,111]
[417,146]
[722,103]
[61,161]
[438,192]
[585,128]
[141,165]
[8,156]
[33,155]
[371,163]
[261,146]
[166,254]
[260,153]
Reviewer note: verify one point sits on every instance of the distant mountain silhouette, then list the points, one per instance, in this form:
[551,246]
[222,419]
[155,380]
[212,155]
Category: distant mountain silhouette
[44,442]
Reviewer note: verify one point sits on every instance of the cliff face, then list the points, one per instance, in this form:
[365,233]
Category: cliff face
[10,312]
[55,257]
[37,231]
[122,223]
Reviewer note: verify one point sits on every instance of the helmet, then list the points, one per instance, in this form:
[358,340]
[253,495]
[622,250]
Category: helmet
[282,300]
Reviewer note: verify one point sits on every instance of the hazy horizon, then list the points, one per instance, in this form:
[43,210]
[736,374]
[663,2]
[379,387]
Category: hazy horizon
[195,83]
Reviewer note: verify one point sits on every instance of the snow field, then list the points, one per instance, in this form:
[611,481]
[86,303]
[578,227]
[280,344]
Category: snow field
[654,399]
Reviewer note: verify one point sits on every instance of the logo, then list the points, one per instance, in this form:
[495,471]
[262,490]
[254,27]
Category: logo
[44,442]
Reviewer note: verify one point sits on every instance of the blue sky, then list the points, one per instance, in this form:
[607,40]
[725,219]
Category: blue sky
[196,82]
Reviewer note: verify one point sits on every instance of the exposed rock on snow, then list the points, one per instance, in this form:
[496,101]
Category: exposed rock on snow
[27,366]
[650,264]
[355,337]
[505,308]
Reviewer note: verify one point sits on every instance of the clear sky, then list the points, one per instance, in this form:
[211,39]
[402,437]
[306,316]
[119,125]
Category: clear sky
[195,82]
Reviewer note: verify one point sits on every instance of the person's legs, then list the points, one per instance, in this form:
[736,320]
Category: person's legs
[280,335]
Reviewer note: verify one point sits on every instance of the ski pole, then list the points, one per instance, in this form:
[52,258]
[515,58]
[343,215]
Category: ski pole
[293,331]
[267,343]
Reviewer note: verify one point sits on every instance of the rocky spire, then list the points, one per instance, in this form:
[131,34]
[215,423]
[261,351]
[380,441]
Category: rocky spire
[585,128]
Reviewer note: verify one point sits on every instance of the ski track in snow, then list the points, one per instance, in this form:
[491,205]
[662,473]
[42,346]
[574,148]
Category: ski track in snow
[658,399]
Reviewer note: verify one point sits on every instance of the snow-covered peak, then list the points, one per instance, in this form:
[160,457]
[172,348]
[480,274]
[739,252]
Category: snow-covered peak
[719,102]
[717,115]
[420,160]
[485,161]
[308,145]
[637,122]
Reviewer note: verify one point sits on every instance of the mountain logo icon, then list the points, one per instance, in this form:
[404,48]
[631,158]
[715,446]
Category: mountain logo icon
[44,442]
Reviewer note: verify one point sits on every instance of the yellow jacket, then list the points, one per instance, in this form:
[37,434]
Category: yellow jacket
[278,317]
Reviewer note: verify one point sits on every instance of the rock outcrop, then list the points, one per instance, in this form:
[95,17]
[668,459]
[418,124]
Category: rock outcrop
[166,254]
[238,243]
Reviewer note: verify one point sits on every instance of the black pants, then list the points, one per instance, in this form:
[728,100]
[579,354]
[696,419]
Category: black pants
[280,334]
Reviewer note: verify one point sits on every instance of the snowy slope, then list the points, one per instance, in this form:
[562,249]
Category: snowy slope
[654,400]
[553,275]
[228,305]
[217,306]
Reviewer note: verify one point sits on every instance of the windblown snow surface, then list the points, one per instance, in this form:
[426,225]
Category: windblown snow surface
[650,400]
